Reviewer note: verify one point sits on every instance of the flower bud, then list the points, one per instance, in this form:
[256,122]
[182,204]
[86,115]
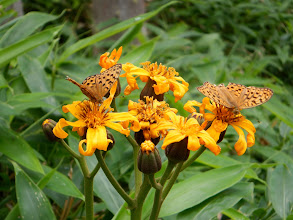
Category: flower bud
[48,126]
[111,137]
[177,152]
[148,90]
[149,159]
[139,137]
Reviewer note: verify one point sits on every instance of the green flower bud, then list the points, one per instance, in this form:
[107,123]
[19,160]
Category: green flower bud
[48,126]
[177,152]
[149,159]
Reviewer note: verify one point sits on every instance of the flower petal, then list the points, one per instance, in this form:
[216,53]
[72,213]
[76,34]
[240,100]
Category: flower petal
[97,138]
[172,137]
[88,152]
[58,129]
[209,142]
[241,145]
[117,127]
[193,143]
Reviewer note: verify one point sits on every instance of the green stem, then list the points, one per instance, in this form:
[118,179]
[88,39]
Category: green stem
[141,196]
[113,181]
[89,198]
[154,182]
[194,157]
[137,173]
[88,189]
[158,195]
[97,167]
[77,156]
[172,181]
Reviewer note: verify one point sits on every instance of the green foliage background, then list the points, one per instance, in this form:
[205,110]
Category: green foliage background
[220,41]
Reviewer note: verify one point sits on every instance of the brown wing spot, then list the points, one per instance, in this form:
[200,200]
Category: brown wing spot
[88,83]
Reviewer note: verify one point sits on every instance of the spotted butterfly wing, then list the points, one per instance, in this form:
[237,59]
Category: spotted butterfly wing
[214,94]
[96,86]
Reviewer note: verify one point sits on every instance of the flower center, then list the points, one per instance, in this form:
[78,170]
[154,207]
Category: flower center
[227,115]
[92,114]
[154,69]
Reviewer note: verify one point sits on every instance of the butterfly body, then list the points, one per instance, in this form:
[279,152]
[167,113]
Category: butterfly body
[95,87]
[236,96]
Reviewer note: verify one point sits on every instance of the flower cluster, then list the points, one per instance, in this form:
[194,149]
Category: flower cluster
[151,118]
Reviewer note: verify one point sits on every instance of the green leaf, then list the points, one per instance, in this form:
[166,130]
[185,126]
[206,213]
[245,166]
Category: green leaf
[35,76]
[62,184]
[282,111]
[33,203]
[110,32]
[127,37]
[275,155]
[280,182]
[13,214]
[14,50]
[16,148]
[234,214]
[140,54]
[19,103]
[24,27]
[198,188]
[214,205]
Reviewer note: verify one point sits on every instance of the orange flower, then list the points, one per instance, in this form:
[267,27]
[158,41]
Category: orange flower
[221,117]
[180,128]
[165,78]
[94,118]
[107,61]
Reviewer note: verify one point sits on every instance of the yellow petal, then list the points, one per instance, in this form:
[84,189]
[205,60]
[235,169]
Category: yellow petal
[117,127]
[250,140]
[213,132]
[209,142]
[178,89]
[172,137]
[193,143]
[209,116]
[162,84]
[220,125]
[88,152]
[241,145]
[125,116]
[189,106]
[74,109]
[58,129]
[97,138]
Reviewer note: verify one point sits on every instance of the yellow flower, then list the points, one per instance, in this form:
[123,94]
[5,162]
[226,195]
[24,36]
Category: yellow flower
[180,128]
[221,117]
[149,114]
[94,118]
[107,61]
[165,78]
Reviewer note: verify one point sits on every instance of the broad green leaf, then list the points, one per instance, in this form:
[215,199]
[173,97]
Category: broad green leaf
[282,111]
[14,50]
[13,214]
[214,205]
[274,155]
[140,54]
[19,103]
[234,214]
[110,32]
[280,182]
[62,184]
[25,26]
[35,76]
[209,159]
[32,202]
[127,37]
[16,148]
[198,188]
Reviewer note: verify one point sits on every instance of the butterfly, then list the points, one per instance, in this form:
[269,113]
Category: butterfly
[236,96]
[95,87]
